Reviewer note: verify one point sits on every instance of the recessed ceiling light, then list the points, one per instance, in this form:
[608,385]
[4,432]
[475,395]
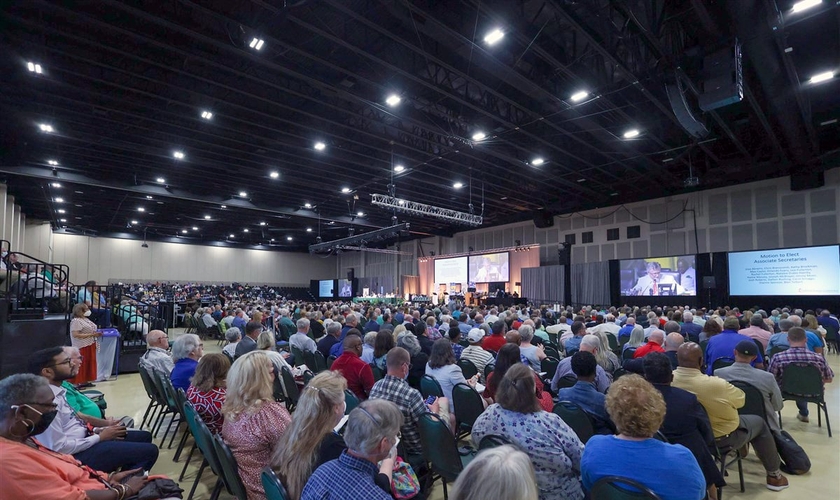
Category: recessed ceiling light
[494,36]
[579,96]
[360,213]
[479,136]
[61,211]
[399,168]
[141,209]
[179,155]
[320,146]
[262,223]
[56,184]
[148,197]
[160,180]
[537,162]
[308,229]
[195,228]
[134,222]
[272,239]
[34,67]
[206,217]
[59,200]
[345,190]
[274,175]
[458,185]
[243,194]
[206,115]
[53,163]
[307,205]
[821,77]
[63,220]
[231,236]
[224,206]
[289,238]
[184,231]
[256,43]
[631,134]
[45,127]
[393,100]
[805,5]
[245,230]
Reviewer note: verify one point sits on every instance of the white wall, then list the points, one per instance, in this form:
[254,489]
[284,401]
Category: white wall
[101,259]
[37,240]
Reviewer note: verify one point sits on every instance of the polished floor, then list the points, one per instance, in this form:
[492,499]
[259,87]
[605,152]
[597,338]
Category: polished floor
[126,396]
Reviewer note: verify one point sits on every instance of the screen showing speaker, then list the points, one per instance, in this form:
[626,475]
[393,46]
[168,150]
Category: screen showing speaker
[789,271]
[660,276]
[325,288]
[345,288]
[452,270]
[490,267]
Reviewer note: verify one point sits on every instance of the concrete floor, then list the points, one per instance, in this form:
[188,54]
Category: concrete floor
[126,396]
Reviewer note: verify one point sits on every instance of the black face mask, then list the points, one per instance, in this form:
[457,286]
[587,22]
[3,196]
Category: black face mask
[43,424]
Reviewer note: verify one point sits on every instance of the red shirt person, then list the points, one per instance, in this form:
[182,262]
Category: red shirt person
[654,344]
[358,373]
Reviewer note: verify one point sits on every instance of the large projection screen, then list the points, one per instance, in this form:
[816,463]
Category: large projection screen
[452,270]
[490,267]
[659,276]
[325,288]
[789,271]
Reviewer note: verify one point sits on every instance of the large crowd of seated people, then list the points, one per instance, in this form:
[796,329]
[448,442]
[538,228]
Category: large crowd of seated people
[656,385]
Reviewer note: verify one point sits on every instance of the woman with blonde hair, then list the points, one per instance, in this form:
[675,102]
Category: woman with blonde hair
[604,356]
[265,341]
[254,421]
[638,410]
[310,441]
[502,472]
[637,339]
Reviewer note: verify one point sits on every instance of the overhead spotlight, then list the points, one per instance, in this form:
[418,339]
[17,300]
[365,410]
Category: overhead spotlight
[393,100]
[223,206]
[195,228]
[479,136]
[494,36]
[55,185]
[274,174]
[148,197]
[320,146]
[179,155]
[537,162]
[245,230]
[206,217]
[61,211]
[360,213]
[345,190]
[805,5]
[160,180]
[256,43]
[52,162]
[134,222]
[231,236]
[183,231]
[45,127]
[579,96]
[243,194]
[59,200]
[821,77]
[34,67]
[630,134]
[206,115]
[401,202]
[458,185]
[141,209]
[63,220]
[307,205]
[288,238]
[272,239]
[262,223]
[308,229]
[399,168]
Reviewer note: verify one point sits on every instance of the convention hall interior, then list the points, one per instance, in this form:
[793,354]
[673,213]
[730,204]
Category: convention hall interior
[377,203]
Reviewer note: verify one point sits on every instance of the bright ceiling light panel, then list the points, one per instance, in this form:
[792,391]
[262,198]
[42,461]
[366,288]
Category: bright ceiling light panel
[630,134]
[579,96]
[307,205]
[134,222]
[289,238]
[59,200]
[537,162]
[243,194]
[56,184]
[45,127]
[308,229]
[805,5]
[479,136]
[179,155]
[184,231]
[262,223]
[34,67]
[195,228]
[360,214]
[393,100]
[345,190]
[399,168]
[320,146]
[458,185]
[494,36]
[274,175]
[821,77]
[61,211]
[206,115]
[160,180]
[206,217]
[53,163]
[141,209]
[256,43]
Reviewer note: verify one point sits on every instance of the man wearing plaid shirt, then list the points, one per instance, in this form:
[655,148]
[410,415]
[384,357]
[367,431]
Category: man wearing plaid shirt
[798,353]
[394,388]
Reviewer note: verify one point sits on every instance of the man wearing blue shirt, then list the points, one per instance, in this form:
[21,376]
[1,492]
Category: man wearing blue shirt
[627,329]
[781,339]
[723,344]
[573,344]
[585,394]
[690,329]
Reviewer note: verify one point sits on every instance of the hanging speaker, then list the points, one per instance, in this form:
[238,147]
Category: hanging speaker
[542,219]
[676,95]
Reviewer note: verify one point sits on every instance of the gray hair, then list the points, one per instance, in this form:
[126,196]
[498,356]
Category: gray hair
[410,343]
[18,388]
[371,421]
[757,320]
[671,326]
[526,333]
[785,324]
[796,319]
[688,317]
[302,324]
[370,338]
[590,340]
[333,327]
[502,472]
[184,345]
[232,334]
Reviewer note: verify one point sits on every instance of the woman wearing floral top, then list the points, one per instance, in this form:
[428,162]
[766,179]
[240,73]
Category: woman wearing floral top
[207,389]
[554,448]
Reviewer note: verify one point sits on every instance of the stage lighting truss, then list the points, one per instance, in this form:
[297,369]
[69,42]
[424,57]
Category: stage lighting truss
[357,241]
[423,210]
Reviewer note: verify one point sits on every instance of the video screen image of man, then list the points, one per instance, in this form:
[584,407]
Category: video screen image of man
[642,277]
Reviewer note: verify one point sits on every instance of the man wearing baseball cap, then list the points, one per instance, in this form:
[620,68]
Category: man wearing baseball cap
[475,353]
[745,352]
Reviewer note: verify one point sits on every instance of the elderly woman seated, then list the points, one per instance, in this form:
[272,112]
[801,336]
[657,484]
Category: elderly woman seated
[186,351]
[502,472]
[33,471]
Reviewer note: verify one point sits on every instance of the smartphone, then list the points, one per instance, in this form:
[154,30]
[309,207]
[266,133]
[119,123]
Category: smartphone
[430,400]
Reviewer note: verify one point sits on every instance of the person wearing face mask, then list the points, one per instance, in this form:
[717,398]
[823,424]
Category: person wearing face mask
[84,336]
[31,470]
[99,443]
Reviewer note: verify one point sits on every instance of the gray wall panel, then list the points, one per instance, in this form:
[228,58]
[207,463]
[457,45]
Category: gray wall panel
[794,233]
[741,202]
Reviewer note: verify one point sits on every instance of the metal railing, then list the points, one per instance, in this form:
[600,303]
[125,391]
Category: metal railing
[34,287]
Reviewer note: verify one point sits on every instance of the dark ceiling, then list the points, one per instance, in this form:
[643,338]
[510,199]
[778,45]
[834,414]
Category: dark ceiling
[124,84]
